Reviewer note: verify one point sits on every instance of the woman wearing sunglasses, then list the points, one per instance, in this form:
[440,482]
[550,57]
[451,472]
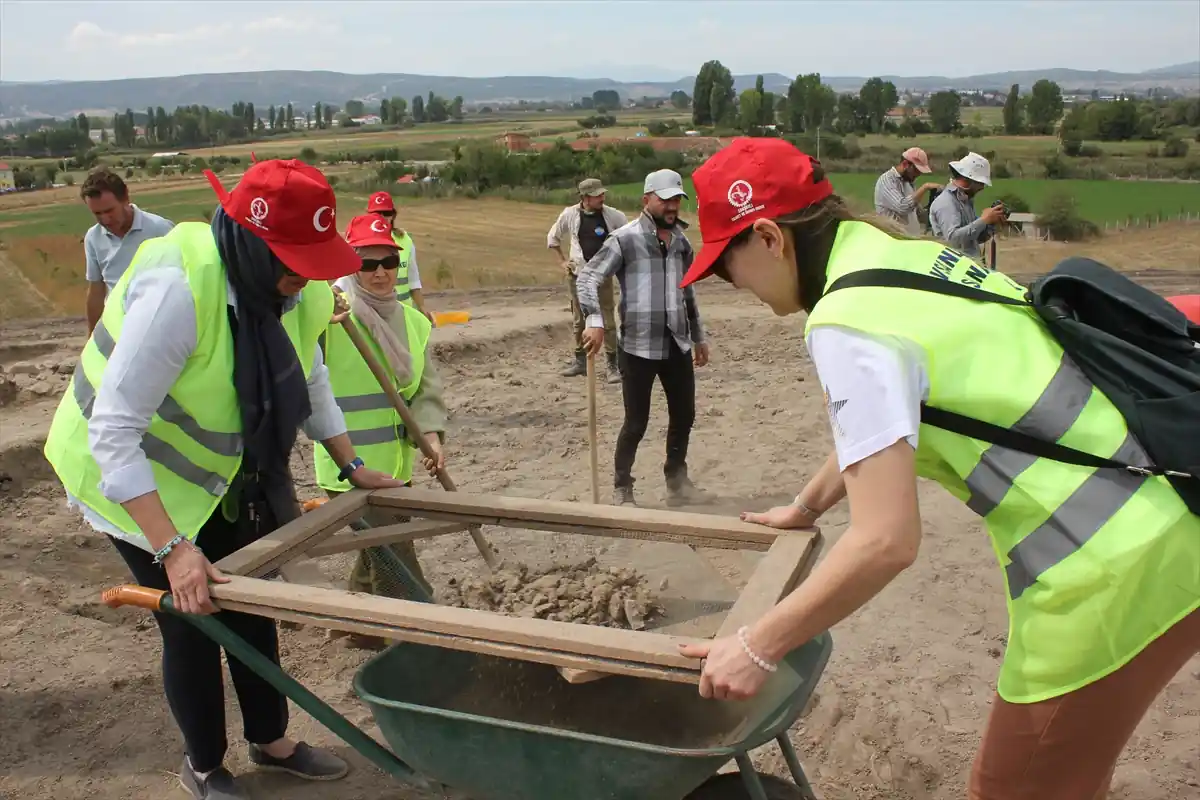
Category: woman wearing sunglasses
[399,336]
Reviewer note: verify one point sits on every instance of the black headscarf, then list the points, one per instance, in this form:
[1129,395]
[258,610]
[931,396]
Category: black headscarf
[269,379]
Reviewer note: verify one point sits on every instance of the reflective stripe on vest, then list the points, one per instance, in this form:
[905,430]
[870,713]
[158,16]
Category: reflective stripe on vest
[1097,563]
[405,243]
[193,441]
[373,425]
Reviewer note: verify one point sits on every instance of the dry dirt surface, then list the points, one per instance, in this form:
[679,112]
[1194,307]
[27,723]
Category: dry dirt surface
[897,715]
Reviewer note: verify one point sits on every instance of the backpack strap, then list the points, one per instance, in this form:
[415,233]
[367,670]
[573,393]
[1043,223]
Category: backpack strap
[901,279]
[969,426]
[1024,443]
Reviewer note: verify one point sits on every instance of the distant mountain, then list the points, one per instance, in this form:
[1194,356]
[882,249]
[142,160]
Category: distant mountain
[304,89]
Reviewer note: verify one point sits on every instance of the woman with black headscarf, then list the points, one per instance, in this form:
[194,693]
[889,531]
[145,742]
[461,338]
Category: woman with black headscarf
[175,434]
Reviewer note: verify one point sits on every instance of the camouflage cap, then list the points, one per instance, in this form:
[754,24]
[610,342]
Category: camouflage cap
[591,187]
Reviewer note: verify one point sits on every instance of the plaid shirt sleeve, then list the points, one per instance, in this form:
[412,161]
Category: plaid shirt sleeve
[606,263]
[695,326]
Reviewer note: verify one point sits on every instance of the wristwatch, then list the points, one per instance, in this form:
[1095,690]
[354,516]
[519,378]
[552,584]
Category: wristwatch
[349,468]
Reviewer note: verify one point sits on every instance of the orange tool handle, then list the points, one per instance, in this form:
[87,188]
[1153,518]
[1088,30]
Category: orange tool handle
[316,502]
[130,595]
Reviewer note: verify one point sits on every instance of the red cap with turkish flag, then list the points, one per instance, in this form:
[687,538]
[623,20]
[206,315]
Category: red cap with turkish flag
[291,207]
[380,201]
[749,180]
[367,230]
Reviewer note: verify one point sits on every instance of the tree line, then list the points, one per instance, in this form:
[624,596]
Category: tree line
[484,167]
[810,105]
[200,125]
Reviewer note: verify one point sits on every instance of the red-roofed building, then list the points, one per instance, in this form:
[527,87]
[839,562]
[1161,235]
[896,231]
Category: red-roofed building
[516,142]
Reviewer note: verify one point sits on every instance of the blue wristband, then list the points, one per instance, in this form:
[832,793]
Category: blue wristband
[349,468]
[168,547]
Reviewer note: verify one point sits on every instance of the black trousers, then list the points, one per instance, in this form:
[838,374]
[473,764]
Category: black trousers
[191,662]
[678,379]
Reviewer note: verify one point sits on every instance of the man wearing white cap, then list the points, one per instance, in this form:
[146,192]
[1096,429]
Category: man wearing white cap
[895,197]
[660,331]
[952,215]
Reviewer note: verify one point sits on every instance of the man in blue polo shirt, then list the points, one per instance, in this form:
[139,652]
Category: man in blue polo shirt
[120,229]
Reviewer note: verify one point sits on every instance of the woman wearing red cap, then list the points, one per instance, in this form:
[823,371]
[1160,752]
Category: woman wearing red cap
[175,435]
[1101,567]
[399,336]
[408,279]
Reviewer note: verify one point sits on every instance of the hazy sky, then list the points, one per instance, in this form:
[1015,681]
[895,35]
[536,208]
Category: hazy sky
[46,40]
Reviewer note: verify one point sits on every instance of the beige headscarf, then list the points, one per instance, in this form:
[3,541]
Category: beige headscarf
[384,321]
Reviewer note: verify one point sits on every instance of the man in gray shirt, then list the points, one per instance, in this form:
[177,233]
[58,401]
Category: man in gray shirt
[952,215]
[120,229]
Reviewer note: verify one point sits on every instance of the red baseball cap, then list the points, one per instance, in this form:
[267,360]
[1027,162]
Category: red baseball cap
[291,207]
[1189,304]
[366,230]
[749,180]
[380,201]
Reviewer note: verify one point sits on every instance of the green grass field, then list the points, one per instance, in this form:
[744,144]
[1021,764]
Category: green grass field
[1099,201]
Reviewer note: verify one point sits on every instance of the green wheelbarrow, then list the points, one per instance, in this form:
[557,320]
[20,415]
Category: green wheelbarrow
[488,728]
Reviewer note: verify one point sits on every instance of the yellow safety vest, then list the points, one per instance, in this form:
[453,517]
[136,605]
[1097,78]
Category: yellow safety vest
[1097,563]
[194,441]
[373,424]
[405,243]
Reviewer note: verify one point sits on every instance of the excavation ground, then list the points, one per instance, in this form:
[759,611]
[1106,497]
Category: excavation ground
[902,703]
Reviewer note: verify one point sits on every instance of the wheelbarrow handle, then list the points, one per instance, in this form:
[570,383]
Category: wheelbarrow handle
[142,597]
[237,647]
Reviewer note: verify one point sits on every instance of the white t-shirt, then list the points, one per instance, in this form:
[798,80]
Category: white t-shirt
[873,388]
[414,277]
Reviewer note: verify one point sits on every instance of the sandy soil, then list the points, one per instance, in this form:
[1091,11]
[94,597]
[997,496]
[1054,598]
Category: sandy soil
[897,715]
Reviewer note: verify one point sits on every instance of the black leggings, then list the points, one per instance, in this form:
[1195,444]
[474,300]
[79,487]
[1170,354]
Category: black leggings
[637,385]
[192,662]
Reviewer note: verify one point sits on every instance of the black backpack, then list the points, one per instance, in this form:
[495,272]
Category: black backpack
[1133,345]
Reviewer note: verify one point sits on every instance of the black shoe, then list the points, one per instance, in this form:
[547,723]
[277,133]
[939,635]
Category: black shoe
[578,366]
[217,785]
[308,763]
[623,496]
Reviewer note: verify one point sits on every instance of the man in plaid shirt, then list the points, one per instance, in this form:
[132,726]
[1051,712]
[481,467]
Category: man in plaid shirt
[660,334]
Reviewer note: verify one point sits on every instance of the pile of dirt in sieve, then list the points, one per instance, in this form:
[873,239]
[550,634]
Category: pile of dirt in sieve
[584,593]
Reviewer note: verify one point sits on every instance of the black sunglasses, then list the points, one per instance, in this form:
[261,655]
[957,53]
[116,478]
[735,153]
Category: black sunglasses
[387,262]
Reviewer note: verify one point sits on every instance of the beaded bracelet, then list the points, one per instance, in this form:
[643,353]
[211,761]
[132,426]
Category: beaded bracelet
[760,663]
[814,515]
[168,547]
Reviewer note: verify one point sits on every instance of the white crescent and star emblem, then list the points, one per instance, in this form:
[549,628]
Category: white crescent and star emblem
[378,201]
[379,226]
[740,193]
[317,218]
[259,209]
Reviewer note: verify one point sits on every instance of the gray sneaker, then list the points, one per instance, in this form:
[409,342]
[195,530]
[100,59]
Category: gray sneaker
[682,492]
[308,763]
[218,785]
[623,496]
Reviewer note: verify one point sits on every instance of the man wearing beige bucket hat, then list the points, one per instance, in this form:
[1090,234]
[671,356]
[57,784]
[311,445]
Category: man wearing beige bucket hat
[584,227]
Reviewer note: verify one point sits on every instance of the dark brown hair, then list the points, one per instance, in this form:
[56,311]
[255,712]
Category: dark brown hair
[813,228]
[101,180]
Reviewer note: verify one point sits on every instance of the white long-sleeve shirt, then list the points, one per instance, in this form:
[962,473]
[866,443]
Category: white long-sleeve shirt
[157,337]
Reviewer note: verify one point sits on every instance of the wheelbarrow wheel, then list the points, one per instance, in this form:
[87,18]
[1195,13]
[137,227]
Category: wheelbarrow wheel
[730,786]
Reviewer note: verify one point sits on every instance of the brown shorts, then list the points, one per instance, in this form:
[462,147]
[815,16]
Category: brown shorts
[1066,748]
